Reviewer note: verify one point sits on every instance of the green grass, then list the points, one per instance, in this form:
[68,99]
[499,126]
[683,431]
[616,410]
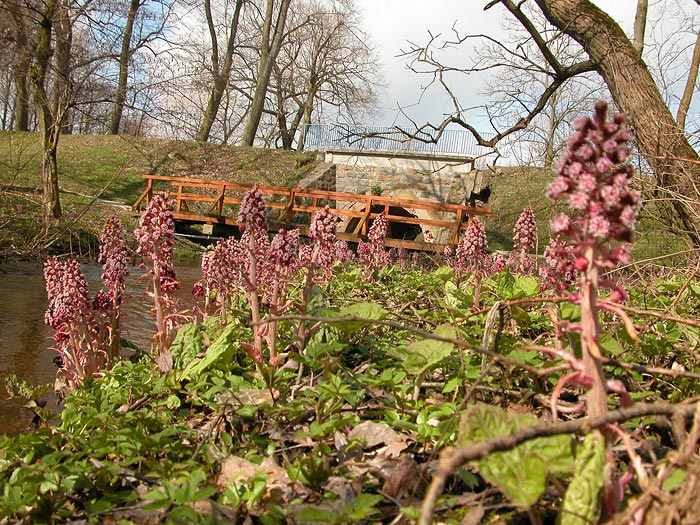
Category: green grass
[517,188]
[111,166]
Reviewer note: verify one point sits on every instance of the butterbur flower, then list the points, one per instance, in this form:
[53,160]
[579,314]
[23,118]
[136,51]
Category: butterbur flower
[597,179]
[155,236]
[372,254]
[471,249]
[378,230]
[113,256]
[525,231]
[558,271]
[524,238]
[70,315]
[323,227]
[284,247]
[252,214]
[67,293]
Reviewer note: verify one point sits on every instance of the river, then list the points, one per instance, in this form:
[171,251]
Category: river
[25,340]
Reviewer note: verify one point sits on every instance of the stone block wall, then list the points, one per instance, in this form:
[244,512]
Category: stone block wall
[322,178]
[447,180]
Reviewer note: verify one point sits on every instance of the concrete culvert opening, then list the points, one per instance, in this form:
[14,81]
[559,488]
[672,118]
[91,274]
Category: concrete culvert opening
[396,230]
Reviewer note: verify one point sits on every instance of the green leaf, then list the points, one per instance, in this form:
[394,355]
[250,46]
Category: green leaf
[610,344]
[364,311]
[419,356]
[526,287]
[444,273]
[675,480]
[456,299]
[313,515]
[172,402]
[247,410]
[188,342]
[520,473]
[581,505]
[220,351]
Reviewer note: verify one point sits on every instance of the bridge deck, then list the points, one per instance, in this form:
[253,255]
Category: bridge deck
[217,202]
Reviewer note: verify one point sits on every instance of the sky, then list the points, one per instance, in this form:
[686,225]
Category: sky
[392,23]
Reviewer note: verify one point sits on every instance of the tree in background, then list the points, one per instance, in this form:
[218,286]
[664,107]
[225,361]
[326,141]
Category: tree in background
[220,65]
[15,35]
[613,55]
[327,62]
[520,79]
[274,20]
[143,23]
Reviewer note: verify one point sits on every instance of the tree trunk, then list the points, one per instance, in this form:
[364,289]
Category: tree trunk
[268,54]
[306,120]
[62,89]
[48,125]
[124,58]
[21,101]
[659,138]
[221,76]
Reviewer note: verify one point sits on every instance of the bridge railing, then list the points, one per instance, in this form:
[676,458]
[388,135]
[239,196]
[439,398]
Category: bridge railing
[218,202]
[391,139]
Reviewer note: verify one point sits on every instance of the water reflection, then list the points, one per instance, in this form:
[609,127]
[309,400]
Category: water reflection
[25,340]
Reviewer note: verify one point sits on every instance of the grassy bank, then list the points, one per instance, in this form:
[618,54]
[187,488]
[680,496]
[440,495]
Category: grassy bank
[101,176]
[97,172]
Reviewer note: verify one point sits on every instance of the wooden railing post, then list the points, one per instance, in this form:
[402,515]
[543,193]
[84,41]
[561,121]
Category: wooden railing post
[458,226]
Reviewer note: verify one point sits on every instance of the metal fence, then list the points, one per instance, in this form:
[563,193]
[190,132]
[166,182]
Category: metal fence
[391,139]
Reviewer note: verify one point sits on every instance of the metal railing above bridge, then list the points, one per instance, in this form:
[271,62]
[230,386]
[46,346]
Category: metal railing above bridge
[392,140]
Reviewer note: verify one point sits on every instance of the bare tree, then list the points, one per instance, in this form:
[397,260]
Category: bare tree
[274,21]
[519,79]
[17,52]
[613,55]
[49,121]
[220,66]
[327,63]
[640,24]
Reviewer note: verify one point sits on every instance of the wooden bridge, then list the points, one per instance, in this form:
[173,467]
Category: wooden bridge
[215,202]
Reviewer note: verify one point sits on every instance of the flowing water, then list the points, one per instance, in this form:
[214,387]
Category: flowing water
[25,340]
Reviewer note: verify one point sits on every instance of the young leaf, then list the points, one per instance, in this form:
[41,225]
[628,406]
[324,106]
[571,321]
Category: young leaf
[581,504]
[187,344]
[363,311]
[220,351]
[420,356]
[520,473]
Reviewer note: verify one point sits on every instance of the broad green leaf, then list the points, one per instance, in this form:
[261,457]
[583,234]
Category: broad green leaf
[581,505]
[570,312]
[313,515]
[520,473]
[675,480]
[419,356]
[371,311]
[526,287]
[610,345]
[444,273]
[188,342]
[220,351]
[456,299]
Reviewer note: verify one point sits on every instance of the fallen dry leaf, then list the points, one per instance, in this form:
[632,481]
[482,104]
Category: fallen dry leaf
[376,434]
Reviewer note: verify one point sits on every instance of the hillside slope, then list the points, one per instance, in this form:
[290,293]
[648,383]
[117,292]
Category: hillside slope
[110,168]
